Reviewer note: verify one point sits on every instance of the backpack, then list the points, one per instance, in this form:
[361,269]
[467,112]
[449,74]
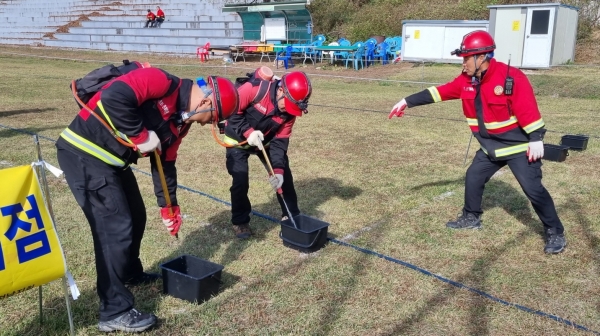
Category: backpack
[87,86]
[263,86]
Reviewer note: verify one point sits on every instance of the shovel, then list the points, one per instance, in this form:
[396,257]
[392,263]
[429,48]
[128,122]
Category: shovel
[279,191]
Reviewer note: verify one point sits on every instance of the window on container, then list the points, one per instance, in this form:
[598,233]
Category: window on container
[540,22]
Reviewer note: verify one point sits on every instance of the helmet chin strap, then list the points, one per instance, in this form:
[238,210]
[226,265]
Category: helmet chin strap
[188,115]
[474,79]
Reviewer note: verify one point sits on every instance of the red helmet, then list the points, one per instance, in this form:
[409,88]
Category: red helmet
[296,90]
[225,97]
[474,43]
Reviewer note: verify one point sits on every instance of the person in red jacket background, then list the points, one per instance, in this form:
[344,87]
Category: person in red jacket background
[144,110]
[501,110]
[160,17]
[268,110]
[150,19]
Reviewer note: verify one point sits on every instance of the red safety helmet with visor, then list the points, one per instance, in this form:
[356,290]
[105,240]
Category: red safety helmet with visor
[474,43]
[296,91]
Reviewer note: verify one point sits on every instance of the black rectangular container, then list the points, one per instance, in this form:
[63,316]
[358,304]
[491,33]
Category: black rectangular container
[556,153]
[309,235]
[575,142]
[191,278]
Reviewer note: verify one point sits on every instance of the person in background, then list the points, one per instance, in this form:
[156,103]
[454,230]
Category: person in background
[144,110]
[160,17]
[503,115]
[150,19]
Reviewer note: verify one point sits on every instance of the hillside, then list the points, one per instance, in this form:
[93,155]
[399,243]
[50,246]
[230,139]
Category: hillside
[360,19]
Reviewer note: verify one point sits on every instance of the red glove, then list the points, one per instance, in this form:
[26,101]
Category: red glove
[398,109]
[172,222]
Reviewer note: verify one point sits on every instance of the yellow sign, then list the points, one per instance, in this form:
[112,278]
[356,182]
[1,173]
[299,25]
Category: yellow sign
[516,26]
[417,34]
[30,252]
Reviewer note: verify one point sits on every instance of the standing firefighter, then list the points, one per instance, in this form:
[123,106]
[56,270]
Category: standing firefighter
[503,115]
[131,116]
[267,112]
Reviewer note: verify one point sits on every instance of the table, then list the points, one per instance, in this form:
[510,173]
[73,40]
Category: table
[334,49]
[301,49]
[241,50]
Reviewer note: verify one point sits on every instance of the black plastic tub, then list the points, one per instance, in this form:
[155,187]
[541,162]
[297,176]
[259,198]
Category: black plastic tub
[309,236]
[191,278]
[556,153]
[575,142]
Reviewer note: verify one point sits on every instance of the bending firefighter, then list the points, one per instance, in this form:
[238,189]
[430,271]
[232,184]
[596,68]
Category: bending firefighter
[141,111]
[503,115]
[268,109]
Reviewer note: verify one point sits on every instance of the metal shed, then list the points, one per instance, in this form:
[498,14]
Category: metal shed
[433,40]
[534,35]
[281,21]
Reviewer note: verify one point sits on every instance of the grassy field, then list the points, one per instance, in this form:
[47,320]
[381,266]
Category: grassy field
[384,186]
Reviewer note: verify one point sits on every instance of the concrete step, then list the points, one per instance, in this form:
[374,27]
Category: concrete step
[22,20]
[20,41]
[200,17]
[23,35]
[158,40]
[139,47]
[26,29]
[159,32]
[167,24]
[167,8]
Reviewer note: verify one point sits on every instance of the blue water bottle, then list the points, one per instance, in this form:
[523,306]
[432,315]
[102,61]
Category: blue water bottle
[202,84]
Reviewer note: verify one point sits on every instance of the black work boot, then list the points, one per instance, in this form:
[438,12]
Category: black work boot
[143,279]
[242,231]
[555,243]
[132,321]
[465,221]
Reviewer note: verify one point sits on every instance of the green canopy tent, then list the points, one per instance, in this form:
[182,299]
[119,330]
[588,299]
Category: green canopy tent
[281,22]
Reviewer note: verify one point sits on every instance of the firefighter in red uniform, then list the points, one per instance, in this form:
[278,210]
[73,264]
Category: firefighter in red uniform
[160,16]
[268,110]
[150,19]
[149,109]
[503,115]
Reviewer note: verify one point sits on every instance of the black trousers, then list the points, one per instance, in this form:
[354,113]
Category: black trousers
[529,176]
[111,201]
[237,166]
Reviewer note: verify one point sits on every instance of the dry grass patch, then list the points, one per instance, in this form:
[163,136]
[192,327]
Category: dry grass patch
[387,186]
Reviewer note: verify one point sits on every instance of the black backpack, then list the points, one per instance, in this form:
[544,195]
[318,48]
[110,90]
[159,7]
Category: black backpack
[88,85]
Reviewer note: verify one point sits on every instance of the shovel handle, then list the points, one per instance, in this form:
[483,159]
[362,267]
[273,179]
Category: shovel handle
[163,183]
[279,191]
[268,161]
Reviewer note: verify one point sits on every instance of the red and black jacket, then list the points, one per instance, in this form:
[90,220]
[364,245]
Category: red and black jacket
[141,100]
[263,116]
[503,124]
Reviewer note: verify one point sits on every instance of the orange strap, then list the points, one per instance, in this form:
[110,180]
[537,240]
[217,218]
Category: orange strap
[214,133]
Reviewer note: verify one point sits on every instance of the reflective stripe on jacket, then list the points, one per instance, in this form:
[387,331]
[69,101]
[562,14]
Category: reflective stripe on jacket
[507,120]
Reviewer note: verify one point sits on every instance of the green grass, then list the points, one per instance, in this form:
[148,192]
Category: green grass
[387,186]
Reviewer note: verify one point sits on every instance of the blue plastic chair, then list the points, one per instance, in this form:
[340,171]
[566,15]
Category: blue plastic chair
[357,56]
[381,52]
[374,41]
[310,52]
[286,57]
[370,46]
